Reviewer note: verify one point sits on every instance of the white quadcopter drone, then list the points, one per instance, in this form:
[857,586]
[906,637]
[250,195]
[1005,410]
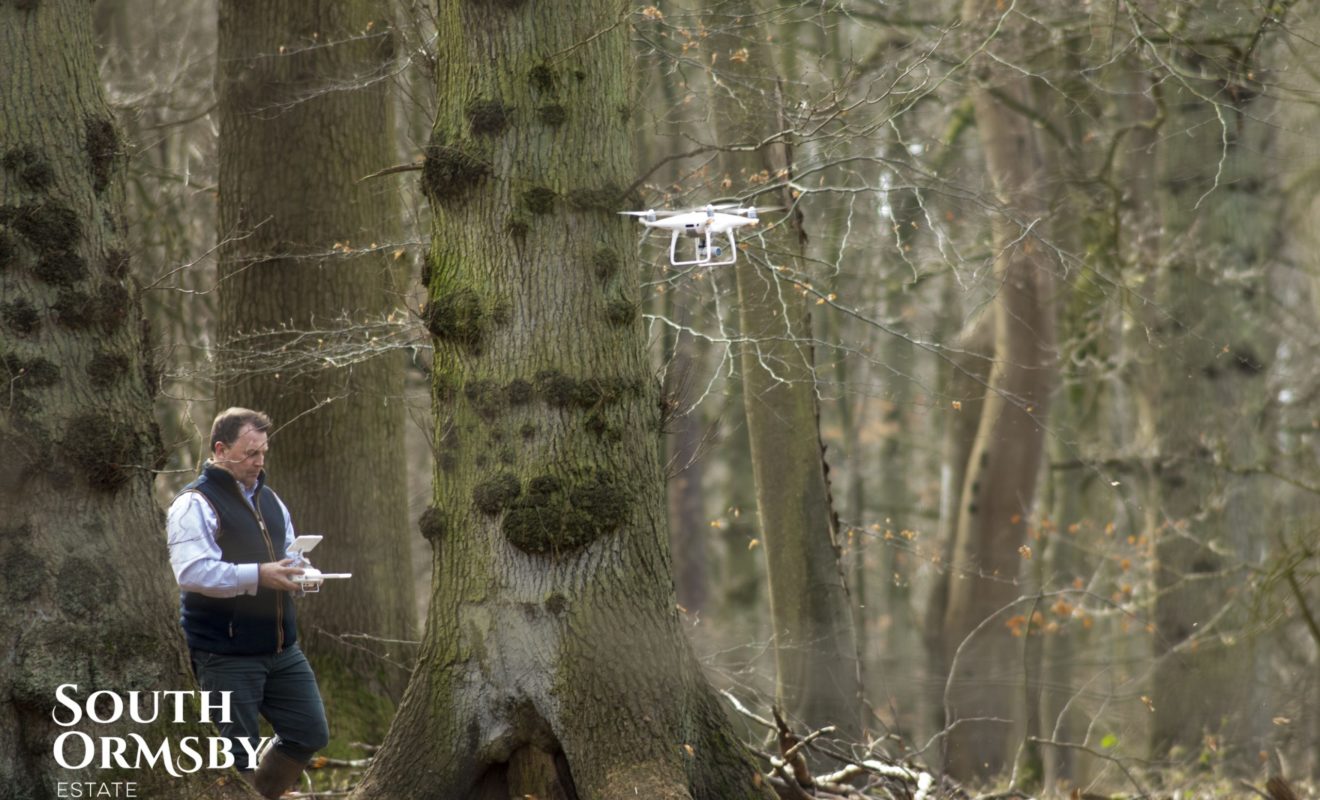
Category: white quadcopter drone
[311,578]
[702,225]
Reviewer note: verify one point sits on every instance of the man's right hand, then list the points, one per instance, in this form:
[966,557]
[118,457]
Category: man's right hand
[276,575]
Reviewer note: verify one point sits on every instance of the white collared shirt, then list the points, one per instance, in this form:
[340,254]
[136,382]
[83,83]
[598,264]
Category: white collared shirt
[198,564]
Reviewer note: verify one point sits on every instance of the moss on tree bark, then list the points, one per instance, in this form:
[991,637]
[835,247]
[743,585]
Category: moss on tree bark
[553,662]
[84,577]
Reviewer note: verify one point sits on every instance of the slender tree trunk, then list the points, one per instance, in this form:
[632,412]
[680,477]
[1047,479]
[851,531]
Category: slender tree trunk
[681,364]
[962,380]
[553,662]
[688,528]
[83,573]
[1208,391]
[1006,457]
[304,115]
[1063,715]
[818,672]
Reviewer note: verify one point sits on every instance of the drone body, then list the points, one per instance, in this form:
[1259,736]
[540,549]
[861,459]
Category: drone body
[702,225]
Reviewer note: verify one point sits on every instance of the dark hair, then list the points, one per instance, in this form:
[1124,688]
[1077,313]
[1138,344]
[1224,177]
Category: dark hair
[230,423]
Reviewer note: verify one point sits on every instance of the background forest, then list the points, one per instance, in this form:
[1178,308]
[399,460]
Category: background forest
[997,450]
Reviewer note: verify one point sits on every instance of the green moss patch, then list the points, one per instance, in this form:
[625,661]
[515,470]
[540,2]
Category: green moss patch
[152,373]
[541,77]
[47,227]
[107,309]
[105,369]
[117,263]
[8,249]
[102,448]
[456,316]
[518,228]
[556,603]
[487,117]
[606,262]
[620,312]
[597,198]
[556,518]
[563,391]
[450,172]
[494,495]
[60,268]
[73,309]
[24,573]
[33,172]
[29,373]
[433,524]
[20,316]
[519,392]
[556,388]
[539,200]
[444,388]
[103,149]
[485,397]
[552,114]
[425,275]
[98,587]
[112,306]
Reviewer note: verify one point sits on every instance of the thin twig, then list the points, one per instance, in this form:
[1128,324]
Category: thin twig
[412,166]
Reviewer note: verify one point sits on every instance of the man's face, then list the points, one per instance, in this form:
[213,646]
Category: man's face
[245,458]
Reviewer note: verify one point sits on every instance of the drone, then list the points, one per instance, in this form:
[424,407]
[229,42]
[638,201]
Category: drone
[702,225]
[311,578]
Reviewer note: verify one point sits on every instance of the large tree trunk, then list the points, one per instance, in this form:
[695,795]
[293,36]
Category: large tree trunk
[817,668]
[83,572]
[553,663]
[304,115]
[1005,459]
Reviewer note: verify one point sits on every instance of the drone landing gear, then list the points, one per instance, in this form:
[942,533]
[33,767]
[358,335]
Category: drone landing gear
[704,251]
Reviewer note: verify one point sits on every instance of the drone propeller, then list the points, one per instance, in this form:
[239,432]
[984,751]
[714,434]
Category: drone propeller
[650,215]
[755,209]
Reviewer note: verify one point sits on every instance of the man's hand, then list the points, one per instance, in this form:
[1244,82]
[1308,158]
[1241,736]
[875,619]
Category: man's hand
[276,574]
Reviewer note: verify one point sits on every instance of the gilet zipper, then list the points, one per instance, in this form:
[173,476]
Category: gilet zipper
[270,548]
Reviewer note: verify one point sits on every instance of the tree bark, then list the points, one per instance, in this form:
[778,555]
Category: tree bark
[553,663]
[305,114]
[688,528]
[1208,390]
[962,379]
[817,667]
[83,573]
[1001,481]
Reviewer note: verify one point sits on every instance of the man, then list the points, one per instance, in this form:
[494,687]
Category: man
[228,537]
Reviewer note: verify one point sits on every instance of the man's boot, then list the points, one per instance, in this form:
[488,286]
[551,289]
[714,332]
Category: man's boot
[276,773]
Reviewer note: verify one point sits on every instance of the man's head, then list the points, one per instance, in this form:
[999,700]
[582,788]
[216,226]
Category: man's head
[238,443]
